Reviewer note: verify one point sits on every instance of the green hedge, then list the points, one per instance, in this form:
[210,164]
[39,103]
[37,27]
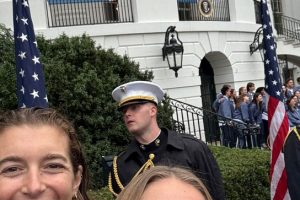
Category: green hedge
[245,174]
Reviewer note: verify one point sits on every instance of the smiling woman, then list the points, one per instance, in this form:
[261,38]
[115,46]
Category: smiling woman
[40,157]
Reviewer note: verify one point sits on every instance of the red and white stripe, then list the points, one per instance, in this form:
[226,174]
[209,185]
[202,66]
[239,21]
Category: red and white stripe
[278,129]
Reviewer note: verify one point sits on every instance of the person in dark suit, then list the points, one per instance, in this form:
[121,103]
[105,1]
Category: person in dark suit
[152,145]
[291,150]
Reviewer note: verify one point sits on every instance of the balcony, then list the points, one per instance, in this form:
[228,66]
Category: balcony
[61,13]
[86,12]
[203,10]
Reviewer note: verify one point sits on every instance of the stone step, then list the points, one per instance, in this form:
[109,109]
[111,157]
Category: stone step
[296,45]
[280,38]
[288,41]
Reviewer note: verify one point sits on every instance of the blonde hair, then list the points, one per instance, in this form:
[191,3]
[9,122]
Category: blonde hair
[135,189]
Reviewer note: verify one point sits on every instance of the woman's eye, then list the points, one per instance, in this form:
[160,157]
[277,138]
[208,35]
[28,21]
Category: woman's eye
[55,167]
[11,171]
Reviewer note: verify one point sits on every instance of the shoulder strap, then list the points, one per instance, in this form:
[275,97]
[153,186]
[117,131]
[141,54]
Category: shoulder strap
[292,130]
[297,134]
[148,164]
[116,175]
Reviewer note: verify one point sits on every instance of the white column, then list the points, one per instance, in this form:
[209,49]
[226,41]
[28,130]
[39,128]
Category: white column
[6,13]
[38,14]
[37,10]
[155,11]
[242,11]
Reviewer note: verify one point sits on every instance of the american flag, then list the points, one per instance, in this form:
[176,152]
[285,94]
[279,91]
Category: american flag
[278,121]
[31,90]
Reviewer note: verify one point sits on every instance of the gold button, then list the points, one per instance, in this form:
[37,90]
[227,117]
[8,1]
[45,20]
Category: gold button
[151,156]
[157,142]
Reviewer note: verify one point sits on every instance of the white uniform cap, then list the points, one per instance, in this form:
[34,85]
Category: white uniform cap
[137,92]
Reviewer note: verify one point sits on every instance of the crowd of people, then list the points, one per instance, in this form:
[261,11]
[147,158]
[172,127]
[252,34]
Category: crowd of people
[249,109]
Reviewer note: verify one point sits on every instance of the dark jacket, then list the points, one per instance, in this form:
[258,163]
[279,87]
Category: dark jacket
[174,150]
[291,151]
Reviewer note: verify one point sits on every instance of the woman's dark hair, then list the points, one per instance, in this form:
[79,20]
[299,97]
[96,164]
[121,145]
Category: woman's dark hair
[288,80]
[259,89]
[254,100]
[296,92]
[225,88]
[288,102]
[232,91]
[249,85]
[233,96]
[48,116]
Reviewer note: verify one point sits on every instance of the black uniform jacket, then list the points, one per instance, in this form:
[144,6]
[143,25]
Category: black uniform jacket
[172,149]
[291,151]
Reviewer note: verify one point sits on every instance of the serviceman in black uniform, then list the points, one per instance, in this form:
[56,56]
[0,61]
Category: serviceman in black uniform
[291,151]
[153,145]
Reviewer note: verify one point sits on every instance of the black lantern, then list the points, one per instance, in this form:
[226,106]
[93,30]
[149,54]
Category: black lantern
[173,50]
[257,43]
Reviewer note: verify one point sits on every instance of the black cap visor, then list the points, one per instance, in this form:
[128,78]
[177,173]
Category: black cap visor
[133,102]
